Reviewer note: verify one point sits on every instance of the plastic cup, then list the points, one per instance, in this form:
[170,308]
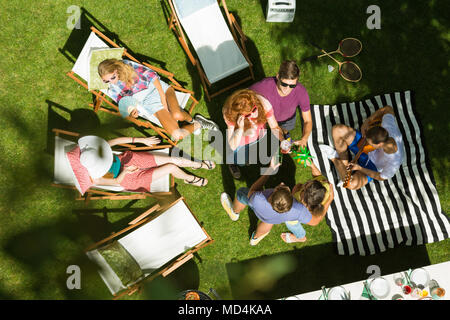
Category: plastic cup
[399,279]
[285,146]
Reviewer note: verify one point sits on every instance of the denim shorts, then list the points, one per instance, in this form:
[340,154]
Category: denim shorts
[150,98]
[242,195]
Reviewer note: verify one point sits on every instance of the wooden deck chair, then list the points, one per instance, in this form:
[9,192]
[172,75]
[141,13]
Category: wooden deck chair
[151,246]
[220,53]
[65,178]
[80,73]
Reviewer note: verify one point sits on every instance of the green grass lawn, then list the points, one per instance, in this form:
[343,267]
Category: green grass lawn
[43,229]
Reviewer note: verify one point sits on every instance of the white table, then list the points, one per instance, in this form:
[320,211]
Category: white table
[439,272]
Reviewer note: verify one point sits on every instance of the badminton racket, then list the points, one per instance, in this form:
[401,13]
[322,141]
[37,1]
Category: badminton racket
[347,69]
[348,47]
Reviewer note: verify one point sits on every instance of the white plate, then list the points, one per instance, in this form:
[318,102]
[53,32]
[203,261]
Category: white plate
[420,277]
[380,288]
[337,293]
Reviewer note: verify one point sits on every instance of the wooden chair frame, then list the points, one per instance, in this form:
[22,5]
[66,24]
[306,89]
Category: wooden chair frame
[169,267]
[175,26]
[97,194]
[112,107]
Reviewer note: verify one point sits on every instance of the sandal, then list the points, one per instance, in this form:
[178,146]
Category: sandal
[208,163]
[197,181]
[253,241]
[288,238]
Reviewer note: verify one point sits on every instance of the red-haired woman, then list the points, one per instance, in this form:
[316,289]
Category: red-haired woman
[246,115]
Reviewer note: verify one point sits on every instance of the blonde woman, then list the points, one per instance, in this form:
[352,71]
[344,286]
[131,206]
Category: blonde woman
[126,78]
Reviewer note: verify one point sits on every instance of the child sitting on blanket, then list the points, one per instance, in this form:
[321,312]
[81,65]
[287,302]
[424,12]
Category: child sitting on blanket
[127,78]
[380,164]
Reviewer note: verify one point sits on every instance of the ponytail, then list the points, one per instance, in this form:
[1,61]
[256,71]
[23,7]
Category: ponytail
[313,195]
[316,209]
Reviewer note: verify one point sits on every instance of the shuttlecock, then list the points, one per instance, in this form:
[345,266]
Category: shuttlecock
[330,68]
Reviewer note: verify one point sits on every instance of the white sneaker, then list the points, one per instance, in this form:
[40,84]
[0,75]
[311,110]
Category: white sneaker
[206,123]
[228,206]
[197,131]
[328,151]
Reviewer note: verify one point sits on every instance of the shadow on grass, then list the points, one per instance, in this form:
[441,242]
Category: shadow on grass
[85,122]
[409,52]
[46,252]
[99,227]
[307,269]
[77,39]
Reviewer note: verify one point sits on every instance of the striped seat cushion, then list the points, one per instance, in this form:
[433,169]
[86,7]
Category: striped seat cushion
[402,210]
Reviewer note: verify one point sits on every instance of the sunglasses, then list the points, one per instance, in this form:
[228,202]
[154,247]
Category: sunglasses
[112,78]
[283,84]
[251,112]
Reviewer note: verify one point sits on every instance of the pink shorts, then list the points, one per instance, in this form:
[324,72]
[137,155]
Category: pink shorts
[141,179]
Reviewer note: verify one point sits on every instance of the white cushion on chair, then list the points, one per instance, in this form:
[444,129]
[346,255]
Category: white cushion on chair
[63,173]
[162,239]
[81,66]
[211,38]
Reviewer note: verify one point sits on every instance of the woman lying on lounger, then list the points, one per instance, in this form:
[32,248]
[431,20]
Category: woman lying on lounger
[126,78]
[94,163]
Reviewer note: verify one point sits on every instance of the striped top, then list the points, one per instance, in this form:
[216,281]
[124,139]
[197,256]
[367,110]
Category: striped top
[145,78]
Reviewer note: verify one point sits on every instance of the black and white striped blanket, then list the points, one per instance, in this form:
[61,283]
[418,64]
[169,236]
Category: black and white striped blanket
[381,215]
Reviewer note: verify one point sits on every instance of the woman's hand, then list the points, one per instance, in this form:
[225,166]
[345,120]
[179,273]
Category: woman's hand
[130,169]
[240,122]
[134,113]
[354,166]
[363,128]
[150,141]
[274,164]
[302,142]
[272,169]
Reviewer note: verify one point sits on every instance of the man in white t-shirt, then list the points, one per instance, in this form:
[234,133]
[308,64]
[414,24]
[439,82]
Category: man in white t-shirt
[379,164]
